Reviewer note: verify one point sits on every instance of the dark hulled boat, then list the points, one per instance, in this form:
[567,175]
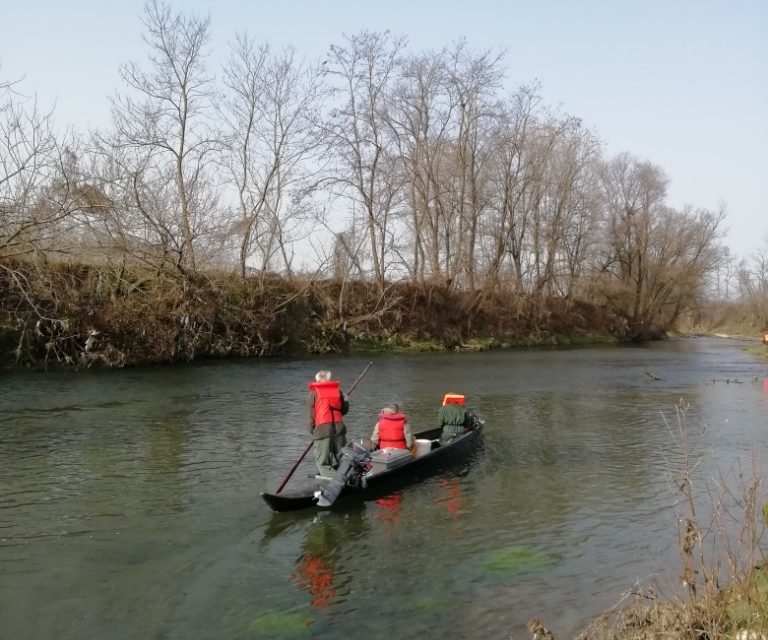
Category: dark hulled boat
[380,473]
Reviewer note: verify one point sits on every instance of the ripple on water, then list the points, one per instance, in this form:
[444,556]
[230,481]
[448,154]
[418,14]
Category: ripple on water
[123,491]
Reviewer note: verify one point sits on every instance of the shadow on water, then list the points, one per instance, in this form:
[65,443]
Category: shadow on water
[317,569]
[292,521]
[317,564]
[336,562]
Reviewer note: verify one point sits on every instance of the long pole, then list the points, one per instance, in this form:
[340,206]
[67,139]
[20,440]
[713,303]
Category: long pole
[309,446]
[359,378]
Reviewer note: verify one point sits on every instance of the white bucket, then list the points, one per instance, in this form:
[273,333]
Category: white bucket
[422,447]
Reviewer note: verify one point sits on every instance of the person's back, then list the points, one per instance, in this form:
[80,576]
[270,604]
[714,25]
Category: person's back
[452,417]
[392,430]
[326,405]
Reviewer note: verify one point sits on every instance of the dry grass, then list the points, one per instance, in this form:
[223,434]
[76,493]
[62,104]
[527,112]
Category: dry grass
[48,313]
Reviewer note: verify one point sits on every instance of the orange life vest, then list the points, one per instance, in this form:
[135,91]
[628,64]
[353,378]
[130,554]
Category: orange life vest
[328,402]
[392,431]
[453,398]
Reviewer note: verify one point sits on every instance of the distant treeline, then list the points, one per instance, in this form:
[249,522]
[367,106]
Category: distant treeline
[376,165]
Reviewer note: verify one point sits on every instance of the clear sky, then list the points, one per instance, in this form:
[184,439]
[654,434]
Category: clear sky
[681,83]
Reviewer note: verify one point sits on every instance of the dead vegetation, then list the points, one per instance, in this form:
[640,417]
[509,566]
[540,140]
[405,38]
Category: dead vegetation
[76,315]
[501,213]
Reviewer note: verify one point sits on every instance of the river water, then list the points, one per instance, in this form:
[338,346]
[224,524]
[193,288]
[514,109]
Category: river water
[130,507]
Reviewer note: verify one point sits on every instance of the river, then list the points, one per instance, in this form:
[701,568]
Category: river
[130,507]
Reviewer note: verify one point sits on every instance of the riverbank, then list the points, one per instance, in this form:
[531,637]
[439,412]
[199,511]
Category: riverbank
[723,582]
[79,316]
[736,612]
[760,350]
[737,335]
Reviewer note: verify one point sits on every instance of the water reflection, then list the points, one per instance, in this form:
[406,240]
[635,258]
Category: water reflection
[315,573]
[450,497]
[319,569]
[387,511]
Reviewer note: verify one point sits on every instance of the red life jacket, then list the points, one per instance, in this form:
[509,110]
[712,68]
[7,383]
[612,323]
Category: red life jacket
[392,431]
[328,402]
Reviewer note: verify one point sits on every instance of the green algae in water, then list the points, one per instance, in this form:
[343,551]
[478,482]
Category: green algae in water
[429,604]
[280,624]
[512,561]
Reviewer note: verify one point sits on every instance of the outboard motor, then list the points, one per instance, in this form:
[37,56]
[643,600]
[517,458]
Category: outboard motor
[354,457]
[473,421]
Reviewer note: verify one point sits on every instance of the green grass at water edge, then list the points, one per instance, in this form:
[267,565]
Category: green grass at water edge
[760,350]
[395,344]
[747,606]
[405,344]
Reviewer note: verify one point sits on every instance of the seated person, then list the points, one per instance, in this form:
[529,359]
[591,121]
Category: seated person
[453,417]
[392,431]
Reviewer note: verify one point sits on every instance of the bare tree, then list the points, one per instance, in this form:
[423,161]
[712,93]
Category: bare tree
[582,223]
[564,215]
[363,72]
[753,287]
[29,161]
[270,113]
[657,256]
[725,275]
[420,118]
[474,79]
[513,171]
[143,224]
[444,116]
[162,121]
[634,193]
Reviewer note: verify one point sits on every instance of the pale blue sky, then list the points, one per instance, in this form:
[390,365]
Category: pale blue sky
[683,83]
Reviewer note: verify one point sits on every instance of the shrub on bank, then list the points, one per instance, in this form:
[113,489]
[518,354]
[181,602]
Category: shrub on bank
[80,315]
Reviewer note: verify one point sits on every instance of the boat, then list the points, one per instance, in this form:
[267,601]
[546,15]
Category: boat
[367,473]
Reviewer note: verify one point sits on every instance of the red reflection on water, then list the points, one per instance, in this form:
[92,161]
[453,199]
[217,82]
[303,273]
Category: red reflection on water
[388,510]
[390,505]
[316,575]
[451,497]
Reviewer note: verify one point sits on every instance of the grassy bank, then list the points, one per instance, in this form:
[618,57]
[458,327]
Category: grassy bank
[80,316]
[738,611]
[760,350]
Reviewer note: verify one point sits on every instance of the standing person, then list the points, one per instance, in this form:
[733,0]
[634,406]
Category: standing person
[452,417]
[392,430]
[326,405]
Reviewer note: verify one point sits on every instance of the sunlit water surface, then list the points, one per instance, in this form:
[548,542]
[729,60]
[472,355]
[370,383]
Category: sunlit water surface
[130,508]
